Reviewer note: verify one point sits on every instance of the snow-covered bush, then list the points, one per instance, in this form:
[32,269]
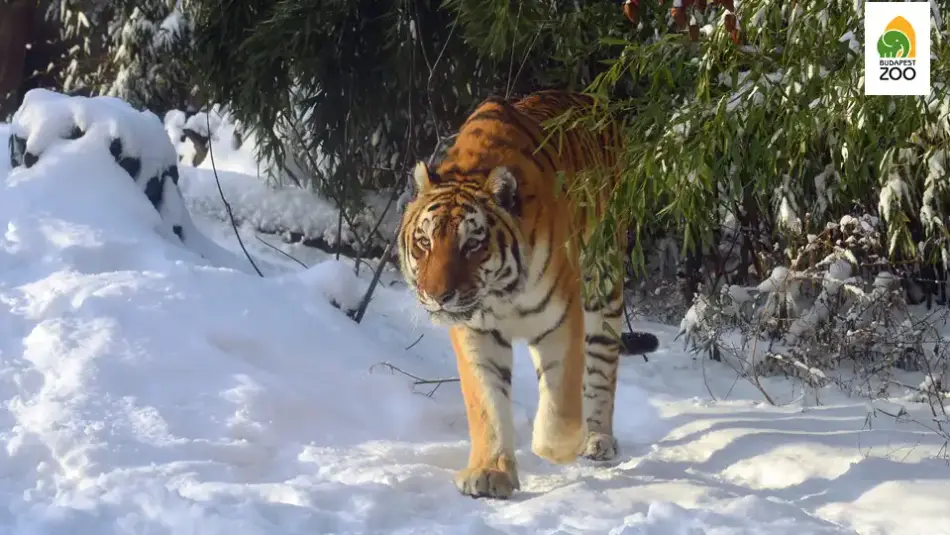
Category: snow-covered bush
[137,51]
[809,220]
[836,313]
[134,140]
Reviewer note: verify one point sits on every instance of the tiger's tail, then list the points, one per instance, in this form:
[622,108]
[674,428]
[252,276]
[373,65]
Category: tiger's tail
[636,343]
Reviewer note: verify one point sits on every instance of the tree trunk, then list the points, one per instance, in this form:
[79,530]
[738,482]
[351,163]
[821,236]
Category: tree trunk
[16,26]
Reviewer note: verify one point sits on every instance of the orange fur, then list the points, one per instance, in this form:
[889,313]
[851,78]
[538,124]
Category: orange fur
[492,245]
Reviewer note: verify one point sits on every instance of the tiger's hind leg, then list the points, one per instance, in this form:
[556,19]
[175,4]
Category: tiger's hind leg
[484,365]
[603,312]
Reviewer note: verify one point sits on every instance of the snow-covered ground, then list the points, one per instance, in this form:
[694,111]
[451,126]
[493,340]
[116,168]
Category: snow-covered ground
[148,390]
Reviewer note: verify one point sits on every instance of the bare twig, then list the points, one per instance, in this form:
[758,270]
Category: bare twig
[417,381]
[281,251]
[525,58]
[227,206]
[379,221]
[412,345]
[364,302]
[511,60]
[341,202]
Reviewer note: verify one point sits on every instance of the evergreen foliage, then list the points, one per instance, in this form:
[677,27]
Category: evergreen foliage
[350,90]
[356,91]
[767,141]
[134,50]
[778,135]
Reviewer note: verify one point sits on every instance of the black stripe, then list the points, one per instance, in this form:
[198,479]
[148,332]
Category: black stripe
[533,225]
[499,339]
[601,339]
[528,154]
[606,359]
[494,333]
[485,115]
[556,325]
[512,286]
[595,371]
[516,253]
[500,238]
[501,221]
[501,372]
[543,151]
[602,388]
[498,142]
[517,119]
[547,259]
[547,368]
[545,301]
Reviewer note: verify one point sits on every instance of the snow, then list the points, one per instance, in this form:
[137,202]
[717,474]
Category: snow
[253,200]
[147,388]
[268,209]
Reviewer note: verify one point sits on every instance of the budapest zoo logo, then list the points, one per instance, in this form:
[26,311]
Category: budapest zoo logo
[897,48]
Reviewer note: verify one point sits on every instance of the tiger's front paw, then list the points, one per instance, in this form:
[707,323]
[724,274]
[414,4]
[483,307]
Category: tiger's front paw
[600,447]
[486,482]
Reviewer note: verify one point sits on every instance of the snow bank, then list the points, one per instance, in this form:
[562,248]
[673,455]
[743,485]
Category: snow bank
[145,390]
[103,138]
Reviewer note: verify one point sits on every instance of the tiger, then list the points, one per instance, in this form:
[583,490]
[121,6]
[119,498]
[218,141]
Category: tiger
[491,246]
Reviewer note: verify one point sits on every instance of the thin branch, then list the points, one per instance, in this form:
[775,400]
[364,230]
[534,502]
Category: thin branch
[417,381]
[364,302]
[526,54]
[412,345]
[511,59]
[281,251]
[227,206]
[379,221]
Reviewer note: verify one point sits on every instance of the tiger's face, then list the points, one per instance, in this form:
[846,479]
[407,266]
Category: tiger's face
[460,246]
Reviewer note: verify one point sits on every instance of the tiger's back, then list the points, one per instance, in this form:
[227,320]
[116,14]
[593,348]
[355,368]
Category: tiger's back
[547,165]
[492,245]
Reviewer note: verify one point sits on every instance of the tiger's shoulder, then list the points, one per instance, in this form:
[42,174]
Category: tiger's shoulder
[512,133]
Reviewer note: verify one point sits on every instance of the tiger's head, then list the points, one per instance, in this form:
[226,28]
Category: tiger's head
[460,243]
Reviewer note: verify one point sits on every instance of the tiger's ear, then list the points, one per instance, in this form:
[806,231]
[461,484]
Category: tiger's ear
[503,186]
[424,179]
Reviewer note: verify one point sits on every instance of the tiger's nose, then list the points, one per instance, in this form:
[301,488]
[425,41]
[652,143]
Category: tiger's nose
[444,297]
